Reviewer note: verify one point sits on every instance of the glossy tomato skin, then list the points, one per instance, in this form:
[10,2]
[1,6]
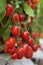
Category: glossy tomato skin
[10,42]
[14,56]
[20,53]
[9,10]
[26,48]
[22,18]
[15,30]
[29,54]
[35,47]
[25,35]
[16,18]
[6,50]
[30,42]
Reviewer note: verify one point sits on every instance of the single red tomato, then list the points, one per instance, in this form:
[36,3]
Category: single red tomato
[14,56]
[20,53]
[16,18]
[9,10]
[15,30]
[25,35]
[30,42]
[35,47]
[22,18]
[33,34]
[30,53]
[26,48]
[10,42]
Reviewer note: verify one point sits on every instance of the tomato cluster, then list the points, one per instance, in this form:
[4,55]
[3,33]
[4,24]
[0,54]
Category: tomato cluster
[20,48]
[20,43]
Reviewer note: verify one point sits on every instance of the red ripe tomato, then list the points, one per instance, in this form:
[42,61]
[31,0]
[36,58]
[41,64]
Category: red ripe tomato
[12,51]
[16,17]
[35,1]
[20,53]
[25,35]
[9,10]
[35,34]
[15,30]
[6,50]
[30,41]
[14,56]
[10,42]
[26,48]
[22,18]
[30,53]
[35,47]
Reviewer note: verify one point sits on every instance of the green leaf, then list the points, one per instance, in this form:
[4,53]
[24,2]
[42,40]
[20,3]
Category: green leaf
[16,3]
[2,16]
[2,5]
[6,32]
[28,10]
[41,2]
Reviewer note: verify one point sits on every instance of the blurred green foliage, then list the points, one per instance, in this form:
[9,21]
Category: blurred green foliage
[37,24]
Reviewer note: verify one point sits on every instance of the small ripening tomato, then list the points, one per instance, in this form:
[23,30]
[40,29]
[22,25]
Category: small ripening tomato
[30,41]
[35,47]
[20,53]
[9,10]
[15,30]
[16,17]
[30,53]
[22,18]
[26,48]
[10,42]
[25,35]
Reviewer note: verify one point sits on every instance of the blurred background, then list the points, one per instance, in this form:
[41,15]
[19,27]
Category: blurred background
[37,25]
